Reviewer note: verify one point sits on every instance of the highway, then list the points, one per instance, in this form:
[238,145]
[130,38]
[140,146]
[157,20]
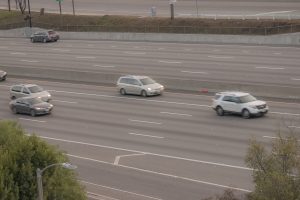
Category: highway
[168,147]
[183,8]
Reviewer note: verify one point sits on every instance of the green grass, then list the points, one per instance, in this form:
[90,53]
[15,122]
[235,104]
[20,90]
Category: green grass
[114,23]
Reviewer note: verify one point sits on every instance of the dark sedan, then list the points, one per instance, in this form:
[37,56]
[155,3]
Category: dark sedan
[3,75]
[45,36]
[29,105]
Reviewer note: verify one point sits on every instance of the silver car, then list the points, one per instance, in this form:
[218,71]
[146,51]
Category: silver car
[140,85]
[29,90]
[3,75]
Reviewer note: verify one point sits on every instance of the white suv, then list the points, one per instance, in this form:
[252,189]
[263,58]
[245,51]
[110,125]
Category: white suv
[240,103]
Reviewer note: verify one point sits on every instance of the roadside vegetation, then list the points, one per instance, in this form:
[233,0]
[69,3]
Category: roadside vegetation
[21,155]
[111,23]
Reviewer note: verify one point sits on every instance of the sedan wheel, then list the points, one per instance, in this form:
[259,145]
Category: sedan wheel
[220,111]
[122,91]
[32,113]
[246,114]
[144,93]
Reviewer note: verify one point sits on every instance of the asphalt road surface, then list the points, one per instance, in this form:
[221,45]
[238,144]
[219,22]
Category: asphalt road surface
[168,147]
[183,8]
[259,65]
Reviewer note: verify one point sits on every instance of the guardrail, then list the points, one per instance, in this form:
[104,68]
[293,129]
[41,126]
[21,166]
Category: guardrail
[164,29]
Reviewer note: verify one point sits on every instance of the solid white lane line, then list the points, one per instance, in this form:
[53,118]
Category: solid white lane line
[134,53]
[163,174]
[33,120]
[141,121]
[153,136]
[181,114]
[104,66]
[17,53]
[85,57]
[295,79]
[194,72]
[221,57]
[153,154]
[169,62]
[119,190]
[64,101]
[117,159]
[280,113]
[30,61]
[269,67]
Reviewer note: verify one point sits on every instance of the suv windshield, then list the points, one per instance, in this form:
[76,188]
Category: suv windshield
[247,98]
[35,89]
[147,81]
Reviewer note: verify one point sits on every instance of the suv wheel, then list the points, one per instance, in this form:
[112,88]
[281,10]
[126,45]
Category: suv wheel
[220,111]
[246,114]
[122,91]
[144,93]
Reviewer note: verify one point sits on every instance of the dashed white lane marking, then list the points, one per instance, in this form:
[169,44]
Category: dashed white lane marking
[119,190]
[33,120]
[104,66]
[295,79]
[221,57]
[272,137]
[61,50]
[163,174]
[17,53]
[30,61]
[73,102]
[85,57]
[169,62]
[134,53]
[92,195]
[294,126]
[117,159]
[141,121]
[161,48]
[275,12]
[181,114]
[281,113]
[153,136]
[3,47]
[272,68]
[216,50]
[277,53]
[194,72]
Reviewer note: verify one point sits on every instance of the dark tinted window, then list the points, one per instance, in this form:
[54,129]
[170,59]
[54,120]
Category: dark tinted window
[34,101]
[35,89]
[227,98]
[147,81]
[124,80]
[16,88]
[25,91]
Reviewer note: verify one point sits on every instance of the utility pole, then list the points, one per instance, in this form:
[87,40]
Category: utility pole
[197,8]
[59,2]
[172,8]
[8,1]
[30,24]
[73,7]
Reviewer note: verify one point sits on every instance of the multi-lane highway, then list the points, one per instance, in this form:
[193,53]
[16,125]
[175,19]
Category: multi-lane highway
[169,147]
[183,8]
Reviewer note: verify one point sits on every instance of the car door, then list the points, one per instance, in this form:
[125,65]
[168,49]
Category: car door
[136,86]
[228,103]
[20,106]
[25,92]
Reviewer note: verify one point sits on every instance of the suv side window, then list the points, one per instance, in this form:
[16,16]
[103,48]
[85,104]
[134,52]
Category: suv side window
[217,96]
[25,91]
[17,89]
[227,98]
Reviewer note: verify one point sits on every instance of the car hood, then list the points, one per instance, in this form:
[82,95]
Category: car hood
[41,94]
[154,86]
[43,105]
[256,103]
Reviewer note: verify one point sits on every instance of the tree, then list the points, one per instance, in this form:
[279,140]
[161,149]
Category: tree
[276,172]
[21,155]
[22,5]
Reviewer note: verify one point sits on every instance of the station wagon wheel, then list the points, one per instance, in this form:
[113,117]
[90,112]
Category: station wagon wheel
[220,111]
[14,110]
[144,93]
[246,114]
[13,97]
[32,113]
[122,91]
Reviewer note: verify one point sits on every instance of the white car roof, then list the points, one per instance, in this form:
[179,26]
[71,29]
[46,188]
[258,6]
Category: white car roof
[135,76]
[234,93]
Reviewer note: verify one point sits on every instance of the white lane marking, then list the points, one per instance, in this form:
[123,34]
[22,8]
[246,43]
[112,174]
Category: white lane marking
[113,46]
[117,159]
[216,50]
[104,66]
[85,57]
[119,190]
[275,12]
[221,57]
[277,53]
[17,53]
[148,153]
[181,114]
[61,50]
[30,61]
[141,121]
[33,120]
[295,79]
[294,126]
[73,102]
[99,196]
[272,137]
[134,53]
[169,62]
[163,174]
[281,113]
[270,68]
[3,47]
[153,136]
[194,72]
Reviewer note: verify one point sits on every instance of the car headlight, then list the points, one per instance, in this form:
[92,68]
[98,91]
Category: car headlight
[38,108]
[49,95]
[149,89]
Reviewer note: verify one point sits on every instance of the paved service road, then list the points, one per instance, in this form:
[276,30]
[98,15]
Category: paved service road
[183,8]
[241,64]
[169,147]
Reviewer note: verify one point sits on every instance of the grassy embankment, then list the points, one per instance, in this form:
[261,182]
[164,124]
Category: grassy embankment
[113,23]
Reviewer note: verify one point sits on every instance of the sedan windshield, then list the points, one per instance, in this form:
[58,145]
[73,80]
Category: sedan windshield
[147,81]
[35,101]
[35,89]
[247,98]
